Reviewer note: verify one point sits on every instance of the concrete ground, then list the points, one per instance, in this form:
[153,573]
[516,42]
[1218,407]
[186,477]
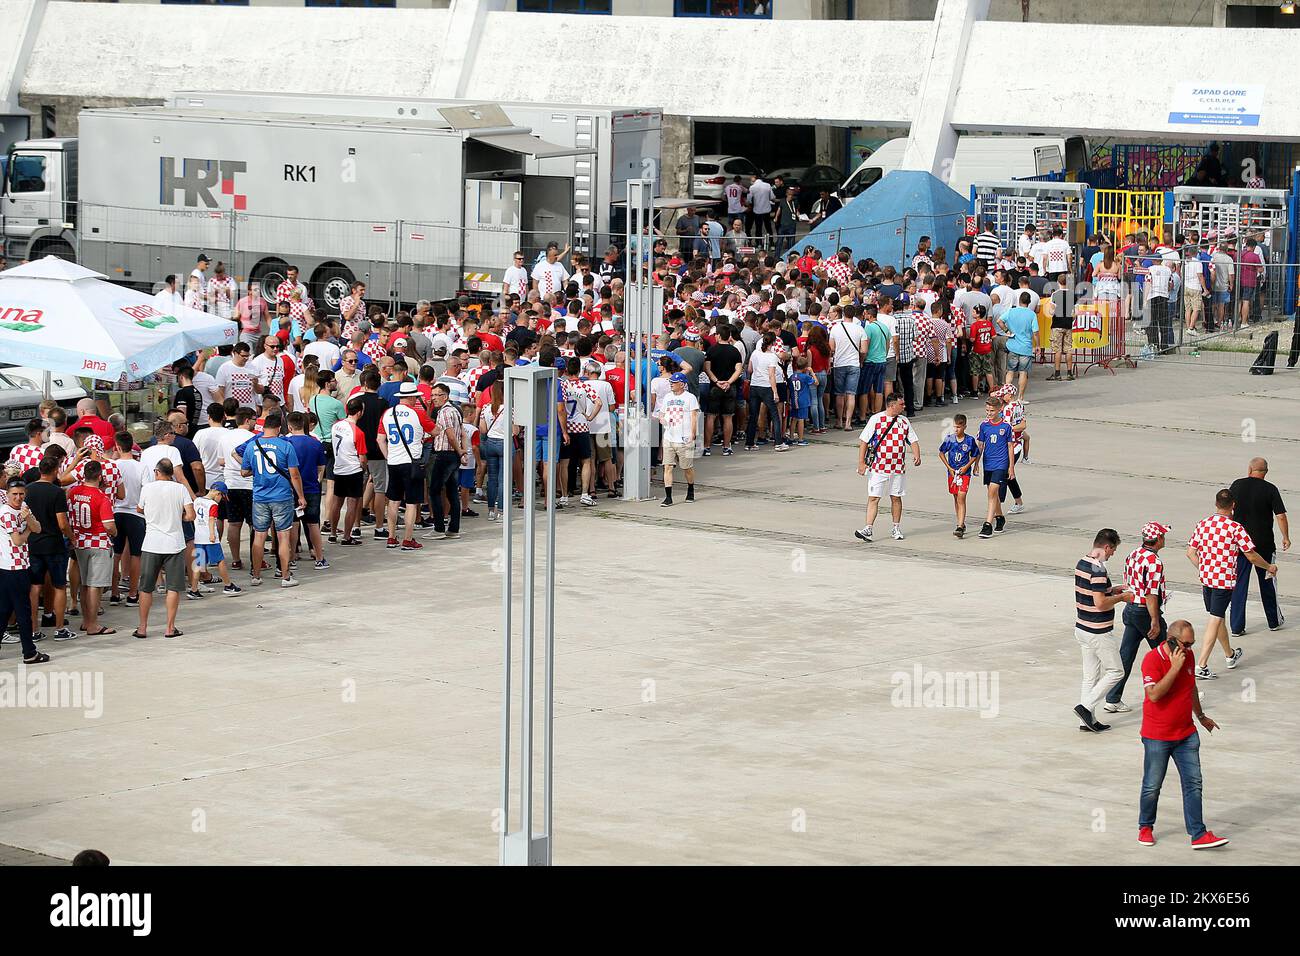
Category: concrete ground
[732,676]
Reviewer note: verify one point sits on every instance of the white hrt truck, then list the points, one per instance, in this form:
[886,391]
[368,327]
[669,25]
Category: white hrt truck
[415,207]
[627,143]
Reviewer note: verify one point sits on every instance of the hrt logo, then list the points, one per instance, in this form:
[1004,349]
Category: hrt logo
[197,179]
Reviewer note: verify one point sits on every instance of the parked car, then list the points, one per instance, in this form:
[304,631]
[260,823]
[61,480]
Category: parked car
[811,180]
[64,389]
[712,172]
[19,404]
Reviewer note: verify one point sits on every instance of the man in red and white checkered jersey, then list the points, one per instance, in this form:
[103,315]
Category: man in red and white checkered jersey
[295,293]
[111,480]
[1144,575]
[17,524]
[29,454]
[1215,543]
[889,433]
[352,309]
[840,268]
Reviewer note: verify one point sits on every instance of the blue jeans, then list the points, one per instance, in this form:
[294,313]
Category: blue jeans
[1187,758]
[762,396]
[818,405]
[1137,623]
[1267,594]
[494,455]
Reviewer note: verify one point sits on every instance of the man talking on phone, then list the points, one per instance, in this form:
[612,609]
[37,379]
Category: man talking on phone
[1169,680]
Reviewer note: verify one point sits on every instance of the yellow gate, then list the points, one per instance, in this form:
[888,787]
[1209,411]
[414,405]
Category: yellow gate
[1120,213]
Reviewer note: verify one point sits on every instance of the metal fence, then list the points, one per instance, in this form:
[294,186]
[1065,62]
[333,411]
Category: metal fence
[400,261]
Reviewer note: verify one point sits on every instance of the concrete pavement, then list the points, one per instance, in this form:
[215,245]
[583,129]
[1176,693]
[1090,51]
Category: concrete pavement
[737,680]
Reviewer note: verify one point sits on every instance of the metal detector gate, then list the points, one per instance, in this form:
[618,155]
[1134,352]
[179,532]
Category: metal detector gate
[1010,205]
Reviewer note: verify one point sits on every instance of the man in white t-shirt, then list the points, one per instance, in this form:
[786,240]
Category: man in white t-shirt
[165,505]
[128,542]
[515,280]
[1056,255]
[549,275]
[679,415]
[239,490]
[325,350]
[1026,242]
[402,432]
[602,425]
[162,447]
[235,379]
[848,345]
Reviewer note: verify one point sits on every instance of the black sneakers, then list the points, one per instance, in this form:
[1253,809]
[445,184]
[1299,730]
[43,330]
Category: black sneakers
[986,530]
[1001,526]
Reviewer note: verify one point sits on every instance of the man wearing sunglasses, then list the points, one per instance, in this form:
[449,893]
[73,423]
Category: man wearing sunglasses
[1168,731]
[273,370]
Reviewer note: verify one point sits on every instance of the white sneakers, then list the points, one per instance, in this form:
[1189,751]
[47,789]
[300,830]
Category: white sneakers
[588,500]
[898,533]
[1120,708]
[1015,509]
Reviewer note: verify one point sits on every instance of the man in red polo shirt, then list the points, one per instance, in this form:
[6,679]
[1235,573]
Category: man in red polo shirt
[1169,680]
[88,418]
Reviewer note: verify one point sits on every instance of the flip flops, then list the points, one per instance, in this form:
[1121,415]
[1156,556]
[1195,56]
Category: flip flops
[102,631]
[176,633]
[136,633]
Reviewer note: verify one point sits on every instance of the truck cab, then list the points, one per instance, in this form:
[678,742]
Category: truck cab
[38,199]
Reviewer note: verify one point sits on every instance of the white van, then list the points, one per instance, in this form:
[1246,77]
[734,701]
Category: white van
[979,159]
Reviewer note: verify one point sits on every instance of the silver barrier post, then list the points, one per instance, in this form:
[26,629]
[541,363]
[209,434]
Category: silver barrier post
[530,403]
[638,327]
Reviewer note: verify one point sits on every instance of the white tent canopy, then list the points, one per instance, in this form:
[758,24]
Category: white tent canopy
[61,317]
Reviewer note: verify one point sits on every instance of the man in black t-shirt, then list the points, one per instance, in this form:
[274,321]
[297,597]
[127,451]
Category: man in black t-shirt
[373,407]
[722,365]
[48,549]
[1258,502]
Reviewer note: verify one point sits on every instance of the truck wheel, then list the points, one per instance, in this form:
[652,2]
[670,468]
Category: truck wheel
[330,284]
[55,247]
[270,273]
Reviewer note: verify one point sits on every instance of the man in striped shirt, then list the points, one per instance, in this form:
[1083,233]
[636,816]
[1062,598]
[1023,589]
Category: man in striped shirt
[1144,575]
[988,245]
[1094,627]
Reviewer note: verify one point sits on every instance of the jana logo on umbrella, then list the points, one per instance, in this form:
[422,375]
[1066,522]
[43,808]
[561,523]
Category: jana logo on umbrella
[148,317]
[18,319]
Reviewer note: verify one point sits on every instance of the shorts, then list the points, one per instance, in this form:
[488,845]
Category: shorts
[679,453]
[1062,339]
[958,484]
[1225,296]
[188,528]
[329,460]
[1248,292]
[467,478]
[802,414]
[405,483]
[604,451]
[1217,600]
[267,512]
[379,475]
[845,379]
[1019,363]
[722,401]
[579,446]
[996,476]
[1192,306]
[311,514]
[891,370]
[55,565]
[172,567]
[221,509]
[208,555]
[981,364]
[783,392]
[239,505]
[879,484]
[872,378]
[936,369]
[130,533]
[350,486]
[96,565]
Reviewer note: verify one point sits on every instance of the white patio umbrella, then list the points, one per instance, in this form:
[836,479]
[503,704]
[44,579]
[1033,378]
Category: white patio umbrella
[61,317]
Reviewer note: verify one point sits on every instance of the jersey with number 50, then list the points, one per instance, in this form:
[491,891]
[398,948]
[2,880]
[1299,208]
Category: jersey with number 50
[404,428]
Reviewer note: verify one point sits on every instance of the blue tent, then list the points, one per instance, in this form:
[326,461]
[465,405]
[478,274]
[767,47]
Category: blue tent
[885,222]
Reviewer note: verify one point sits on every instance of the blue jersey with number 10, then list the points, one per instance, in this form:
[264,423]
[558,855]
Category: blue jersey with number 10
[996,439]
[958,452]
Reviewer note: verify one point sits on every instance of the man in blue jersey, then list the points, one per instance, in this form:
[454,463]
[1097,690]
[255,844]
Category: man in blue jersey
[277,486]
[311,467]
[959,453]
[994,441]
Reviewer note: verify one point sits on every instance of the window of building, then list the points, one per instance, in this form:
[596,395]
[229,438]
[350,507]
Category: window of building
[751,9]
[564,6]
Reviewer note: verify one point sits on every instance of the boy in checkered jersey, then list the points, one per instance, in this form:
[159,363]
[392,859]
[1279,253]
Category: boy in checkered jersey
[1213,550]
[1013,413]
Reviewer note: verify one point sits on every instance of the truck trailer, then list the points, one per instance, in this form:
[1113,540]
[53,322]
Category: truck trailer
[415,207]
[627,142]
